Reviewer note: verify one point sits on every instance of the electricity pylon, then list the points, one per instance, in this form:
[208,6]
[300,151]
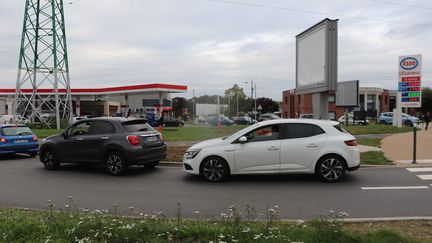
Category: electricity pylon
[43,90]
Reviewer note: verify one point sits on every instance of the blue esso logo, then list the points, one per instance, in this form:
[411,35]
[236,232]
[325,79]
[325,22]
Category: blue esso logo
[408,63]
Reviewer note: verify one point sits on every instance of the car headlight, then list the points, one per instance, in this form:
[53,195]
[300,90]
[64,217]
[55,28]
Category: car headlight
[190,154]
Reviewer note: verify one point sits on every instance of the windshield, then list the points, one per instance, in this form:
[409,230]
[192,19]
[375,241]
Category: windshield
[137,126]
[16,131]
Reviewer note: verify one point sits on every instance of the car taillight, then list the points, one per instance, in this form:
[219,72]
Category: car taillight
[351,142]
[133,140]
[3,140]
[35,138]
[161,137]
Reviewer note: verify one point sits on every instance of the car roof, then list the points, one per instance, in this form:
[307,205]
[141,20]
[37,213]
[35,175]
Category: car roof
[112,119]
[12,125]
[306,121]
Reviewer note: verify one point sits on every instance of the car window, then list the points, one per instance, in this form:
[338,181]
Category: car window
[101,127]
[340,129]
[266,133]
[16,131]
[80,129]
[137,126]
[300,130]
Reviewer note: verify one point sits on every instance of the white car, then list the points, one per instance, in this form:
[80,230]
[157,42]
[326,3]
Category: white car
[8,119]
[277,146]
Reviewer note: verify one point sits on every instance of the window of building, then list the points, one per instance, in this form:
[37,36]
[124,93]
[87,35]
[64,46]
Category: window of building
[331,98]
[332,115]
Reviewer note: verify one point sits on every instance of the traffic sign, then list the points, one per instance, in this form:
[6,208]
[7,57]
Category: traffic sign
[410,80]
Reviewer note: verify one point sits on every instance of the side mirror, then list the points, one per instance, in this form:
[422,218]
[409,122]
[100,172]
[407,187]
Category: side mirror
[64,135]
[243,139]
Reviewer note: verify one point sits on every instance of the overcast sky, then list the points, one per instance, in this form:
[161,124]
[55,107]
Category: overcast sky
[209,45]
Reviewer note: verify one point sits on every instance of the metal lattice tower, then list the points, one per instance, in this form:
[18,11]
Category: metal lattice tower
[43,65]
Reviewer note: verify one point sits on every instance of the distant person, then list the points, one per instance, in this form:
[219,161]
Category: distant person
[427,119]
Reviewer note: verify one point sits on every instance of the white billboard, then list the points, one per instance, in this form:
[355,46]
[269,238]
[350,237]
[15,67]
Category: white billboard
[316,58]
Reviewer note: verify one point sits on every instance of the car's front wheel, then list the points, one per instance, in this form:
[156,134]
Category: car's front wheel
[115,164]
[214,169]
[382,122]
[330,168]
[49,159]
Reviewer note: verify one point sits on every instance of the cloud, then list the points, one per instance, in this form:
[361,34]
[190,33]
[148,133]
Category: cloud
[209,46]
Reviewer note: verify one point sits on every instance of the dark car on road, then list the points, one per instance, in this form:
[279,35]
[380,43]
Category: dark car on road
[18,139]
[173,123]
[115,142]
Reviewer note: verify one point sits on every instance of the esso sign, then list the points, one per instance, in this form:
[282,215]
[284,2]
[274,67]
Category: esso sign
[408,63]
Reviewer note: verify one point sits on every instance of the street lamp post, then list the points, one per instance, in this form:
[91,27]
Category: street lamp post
[252,97]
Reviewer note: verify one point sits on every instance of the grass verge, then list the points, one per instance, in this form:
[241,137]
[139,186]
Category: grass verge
[374,158]
[175,154]
[374,142]
[43,133]
[98,226]
[376,129]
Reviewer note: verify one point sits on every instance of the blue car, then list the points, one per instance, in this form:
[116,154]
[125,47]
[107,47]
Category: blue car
[18,139]
[387,118]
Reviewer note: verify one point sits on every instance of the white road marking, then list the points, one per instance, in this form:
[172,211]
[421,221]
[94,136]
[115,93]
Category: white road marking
[420,161]
[425,177]
[394,187]
[424,169]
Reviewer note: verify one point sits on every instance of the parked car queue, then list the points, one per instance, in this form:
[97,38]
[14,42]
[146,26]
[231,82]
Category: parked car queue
[274,146]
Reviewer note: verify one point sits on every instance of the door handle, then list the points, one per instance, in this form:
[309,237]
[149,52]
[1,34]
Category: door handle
[272,148]
[312,145]
[104,138]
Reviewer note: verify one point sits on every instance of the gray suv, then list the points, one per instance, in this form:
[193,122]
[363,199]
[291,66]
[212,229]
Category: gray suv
[117,143]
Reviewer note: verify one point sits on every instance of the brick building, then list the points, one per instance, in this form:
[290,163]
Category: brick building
[373,100]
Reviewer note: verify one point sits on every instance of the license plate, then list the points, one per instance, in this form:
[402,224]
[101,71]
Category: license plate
[152,139]
[21,141]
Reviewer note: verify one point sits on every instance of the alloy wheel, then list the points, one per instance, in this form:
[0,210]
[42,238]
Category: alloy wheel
[213,170]
[331,169]
[49,160]
[114,164]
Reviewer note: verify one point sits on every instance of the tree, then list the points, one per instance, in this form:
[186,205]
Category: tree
[179,104]
[230,99]
[267,104]
[426,99]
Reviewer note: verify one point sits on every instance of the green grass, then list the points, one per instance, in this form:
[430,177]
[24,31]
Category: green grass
[374,142]
[374,158]
[75,225]
[196,133]
[43,133]
[376,129]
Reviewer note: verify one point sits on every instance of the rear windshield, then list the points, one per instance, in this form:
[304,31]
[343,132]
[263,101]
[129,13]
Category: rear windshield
[338,127]
[16,131]
[137,126]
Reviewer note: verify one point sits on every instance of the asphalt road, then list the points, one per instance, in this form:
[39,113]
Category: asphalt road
[24,183]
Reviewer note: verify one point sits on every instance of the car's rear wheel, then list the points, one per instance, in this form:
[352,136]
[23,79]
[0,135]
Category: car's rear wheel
[49,159]
[115,164]
[330,168]
[214,169]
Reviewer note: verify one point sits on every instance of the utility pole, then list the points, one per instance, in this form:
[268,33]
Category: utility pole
[193,105]
[43,64]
